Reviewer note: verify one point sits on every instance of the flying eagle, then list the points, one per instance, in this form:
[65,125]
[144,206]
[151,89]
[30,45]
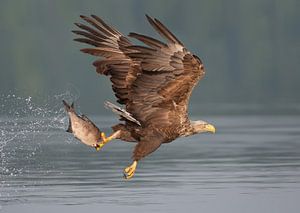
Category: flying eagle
[154,82]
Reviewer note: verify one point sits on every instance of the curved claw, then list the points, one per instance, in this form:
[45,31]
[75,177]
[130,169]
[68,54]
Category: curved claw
[98,146]
[103,136]
[105,140]
[130,170]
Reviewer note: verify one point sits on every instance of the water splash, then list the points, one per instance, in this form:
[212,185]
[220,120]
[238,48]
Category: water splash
[22,120]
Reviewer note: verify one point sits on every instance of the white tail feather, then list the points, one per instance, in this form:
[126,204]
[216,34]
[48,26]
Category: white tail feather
[122,112]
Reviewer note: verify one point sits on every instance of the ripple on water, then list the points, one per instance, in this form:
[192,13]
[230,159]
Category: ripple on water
[248,154]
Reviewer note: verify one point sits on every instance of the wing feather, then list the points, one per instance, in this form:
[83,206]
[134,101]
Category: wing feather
[161,91]
[148,40]
[154,81]
[110,45]
[163,31]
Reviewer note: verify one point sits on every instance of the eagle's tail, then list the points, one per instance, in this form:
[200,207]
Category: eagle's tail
[121,112]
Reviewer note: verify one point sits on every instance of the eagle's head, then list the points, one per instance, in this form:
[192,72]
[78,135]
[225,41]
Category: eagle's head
[202,126]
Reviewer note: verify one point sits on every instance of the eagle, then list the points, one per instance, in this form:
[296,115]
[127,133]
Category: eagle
[153,82]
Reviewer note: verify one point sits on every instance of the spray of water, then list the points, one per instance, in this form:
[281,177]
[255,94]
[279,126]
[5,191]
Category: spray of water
[22,119]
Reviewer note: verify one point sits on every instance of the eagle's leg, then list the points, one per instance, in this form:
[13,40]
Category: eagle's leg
[130,170]
[147,145]
[105,139]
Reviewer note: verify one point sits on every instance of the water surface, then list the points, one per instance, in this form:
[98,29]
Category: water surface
[252,164]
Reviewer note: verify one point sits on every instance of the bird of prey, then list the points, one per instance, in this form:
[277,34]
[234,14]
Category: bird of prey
[153,81]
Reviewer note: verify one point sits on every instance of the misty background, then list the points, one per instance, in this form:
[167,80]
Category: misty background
[250,49]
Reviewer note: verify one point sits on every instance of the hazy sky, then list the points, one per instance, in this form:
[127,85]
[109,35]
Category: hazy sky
[250,49]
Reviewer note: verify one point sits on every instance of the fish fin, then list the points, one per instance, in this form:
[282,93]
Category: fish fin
[84,117]
[69,127]
[67,106]
[72,105]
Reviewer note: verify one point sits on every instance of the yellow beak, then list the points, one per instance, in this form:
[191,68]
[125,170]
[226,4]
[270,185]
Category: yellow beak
[210,128]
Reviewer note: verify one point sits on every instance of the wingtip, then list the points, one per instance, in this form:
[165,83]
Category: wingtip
[75,31]
[151,20]
[77,39]
[78,24]
[132,34]
[90,51]
[84,50]
[148,18]
[106,104]
[94,16]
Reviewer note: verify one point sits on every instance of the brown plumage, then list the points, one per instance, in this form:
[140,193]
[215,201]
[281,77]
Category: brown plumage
[154,82]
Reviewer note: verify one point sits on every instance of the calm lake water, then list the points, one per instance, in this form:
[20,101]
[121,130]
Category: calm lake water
[252,164]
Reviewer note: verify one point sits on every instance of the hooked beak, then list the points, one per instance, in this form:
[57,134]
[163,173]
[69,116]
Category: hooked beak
[210,128]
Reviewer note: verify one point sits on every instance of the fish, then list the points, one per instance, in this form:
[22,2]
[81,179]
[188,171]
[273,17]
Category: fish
[83,128]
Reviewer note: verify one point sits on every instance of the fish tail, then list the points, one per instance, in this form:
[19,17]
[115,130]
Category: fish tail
[68,108]
[69,127]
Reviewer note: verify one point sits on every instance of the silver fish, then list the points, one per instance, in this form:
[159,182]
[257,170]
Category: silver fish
[83,128]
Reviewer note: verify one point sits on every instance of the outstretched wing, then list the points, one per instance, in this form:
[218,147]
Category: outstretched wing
[111,46]
[159,96]
[153,81]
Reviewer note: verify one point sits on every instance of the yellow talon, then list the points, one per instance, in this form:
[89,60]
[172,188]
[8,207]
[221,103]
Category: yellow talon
[98,146]
[105,140]
[103,136]
[130,170]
